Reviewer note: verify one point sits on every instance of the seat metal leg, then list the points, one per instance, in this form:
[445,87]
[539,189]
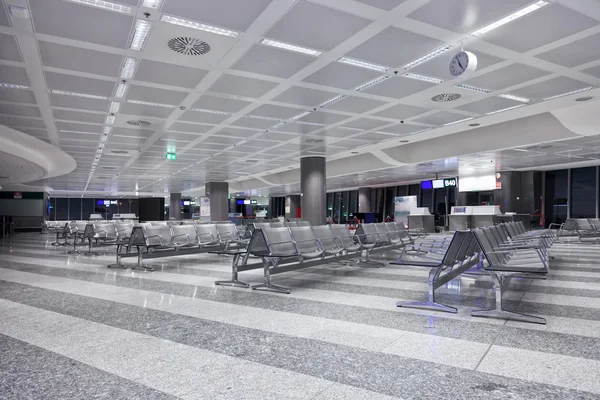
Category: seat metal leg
[268,286]
[365,260]
[140,266]
[118,263]
[90,252]
[235,282]
[498,312]
[430,304]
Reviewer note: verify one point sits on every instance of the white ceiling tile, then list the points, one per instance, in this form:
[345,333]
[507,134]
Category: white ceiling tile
[298,128]
[9,50]
[401,111]
[280,112]
[576,53]
[241,86]
[4,21]
[253,123]
[594,71]
[342,76]
[403,129]
[154,95]
[489,104]
[265,60]
[78,59]
[320,117]
[21,121]
[78,103]
[236,132]
[78,84]
[514,74]
[216,103]
[549,88]
[208,118]
[398,87]
[21,110]
[145,110]
[192,128]
[13,75]
[383,4]
[169,74]
[304,97]
[365,123]
[17,95]
[70,115]
[440,118]
[354,104]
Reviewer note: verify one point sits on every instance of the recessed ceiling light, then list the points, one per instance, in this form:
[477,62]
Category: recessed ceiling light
[115,106]
[404,141]
[110,119]
[459,121]
[106,130]
[88,96]
[147,103]
[198,25]
[142,29]
[423,78]
[279,125]
[569,93]
[509,18]
[347,128]
[303,114]
[363,64]
[128,68]
[291,47]
[515,98]
[152,4]
[472,88]
[209,111]
[121,89]
[12,86]
[586,98]
[331,101]
[427,57]
[106,5]
[79,132]
[505,109]
[371,83]
[261,117]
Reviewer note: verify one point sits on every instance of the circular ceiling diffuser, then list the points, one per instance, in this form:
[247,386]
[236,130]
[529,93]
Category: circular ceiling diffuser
[445,97]
[189,46]
[139,122]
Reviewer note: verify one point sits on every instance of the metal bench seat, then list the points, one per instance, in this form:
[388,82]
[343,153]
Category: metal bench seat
[308,246]
[347,239]
[330,244]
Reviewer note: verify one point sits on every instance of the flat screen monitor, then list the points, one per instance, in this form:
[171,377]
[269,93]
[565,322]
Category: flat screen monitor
[438,184]
[247,201]
[240,202]
[426,185]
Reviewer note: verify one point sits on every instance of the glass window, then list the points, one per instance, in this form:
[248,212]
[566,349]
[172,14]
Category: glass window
[336,207]
[413,190]
[555,205]
[62,209]
[353,203]
[75,209]
[134,207]
[123,206]
[427,199]
[52,209]
[87,208]
[583,192]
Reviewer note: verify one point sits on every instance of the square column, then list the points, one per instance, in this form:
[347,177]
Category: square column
[313,186]
[218,193]
[175,206]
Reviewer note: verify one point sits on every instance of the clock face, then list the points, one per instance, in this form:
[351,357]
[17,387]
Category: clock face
[462,62]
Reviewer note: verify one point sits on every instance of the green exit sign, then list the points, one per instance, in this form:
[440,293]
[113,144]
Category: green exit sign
[171,156]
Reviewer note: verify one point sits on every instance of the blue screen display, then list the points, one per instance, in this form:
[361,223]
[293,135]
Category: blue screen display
[426,185]
[240,202]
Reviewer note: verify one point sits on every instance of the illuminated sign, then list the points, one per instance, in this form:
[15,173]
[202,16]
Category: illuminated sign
[438,183]
[426,185]
[171,156]
[450,182]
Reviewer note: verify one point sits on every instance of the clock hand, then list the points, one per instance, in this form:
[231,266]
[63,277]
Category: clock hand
[459,64]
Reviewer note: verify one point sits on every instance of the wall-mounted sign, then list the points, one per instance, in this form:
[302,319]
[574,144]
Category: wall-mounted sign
[17,195]
[450,182]
[253,201]
[204,206]
[438,183]
[477,183]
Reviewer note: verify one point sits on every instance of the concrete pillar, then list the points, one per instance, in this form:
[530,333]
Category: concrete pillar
[313,187]
[364,200]
[292,203]
[175,206]
[218,193]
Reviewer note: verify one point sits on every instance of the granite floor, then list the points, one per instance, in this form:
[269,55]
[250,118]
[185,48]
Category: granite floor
[70,328]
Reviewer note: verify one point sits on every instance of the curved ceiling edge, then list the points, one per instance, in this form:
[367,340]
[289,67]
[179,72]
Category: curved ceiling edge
[582,119]
[50,158]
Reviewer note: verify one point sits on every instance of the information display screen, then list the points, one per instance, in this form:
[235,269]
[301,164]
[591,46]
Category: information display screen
[438,183]
[426,185]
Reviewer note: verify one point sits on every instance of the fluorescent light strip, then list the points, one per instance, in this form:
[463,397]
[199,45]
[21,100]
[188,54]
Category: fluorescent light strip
[423,78]
[459,121]
[110,119]
[261,117]
[147,103]
[389,134]
[303,114]
[371,83]
[347,128]
[515,98]
[106,5]
[87,96]
[106,130]
[11,86]
[291,47]
[472,88]
[115,106]
[569,93]
[363,64]
[121,90]
[509,18]
[79,132]
[128,68]
[199,26]
[310,123]
[427,57]
[142,29]
[505,109]
[331,101]
[155,4]
[210,111]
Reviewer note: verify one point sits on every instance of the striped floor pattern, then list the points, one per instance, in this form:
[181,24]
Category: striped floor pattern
[70,328]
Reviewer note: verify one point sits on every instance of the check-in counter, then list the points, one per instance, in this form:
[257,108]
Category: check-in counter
[421,218]
[124,217]
[96,217]
[484,216]
[460,218]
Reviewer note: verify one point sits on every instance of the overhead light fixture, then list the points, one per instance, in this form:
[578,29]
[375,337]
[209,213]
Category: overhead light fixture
[261,117]
[291,47]
[142,29]
[427,57]
[147,103]
[505,109]
[459,121]
[310,123]
[301,115]
[115,106]
[363,64]
[347,128]
[209,111]
[110,119]
[106,5]
[128,68]
[87,96]
[155,4]
[423,78]
[196,25]
[509,18]
[515,98]
[79,132]
[569,93]
[106,130]
[388,133]
[331,101]
[12,86]
[372,82]
[472,88]
[522,150]
[121,89]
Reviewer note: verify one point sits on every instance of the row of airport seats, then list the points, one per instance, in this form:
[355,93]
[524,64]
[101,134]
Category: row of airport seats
[581,229]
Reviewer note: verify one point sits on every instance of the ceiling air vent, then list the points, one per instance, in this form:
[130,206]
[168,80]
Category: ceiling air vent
[251,161]
[313,140]
[445,97]
[119,152]
[139,122]
[189,46]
